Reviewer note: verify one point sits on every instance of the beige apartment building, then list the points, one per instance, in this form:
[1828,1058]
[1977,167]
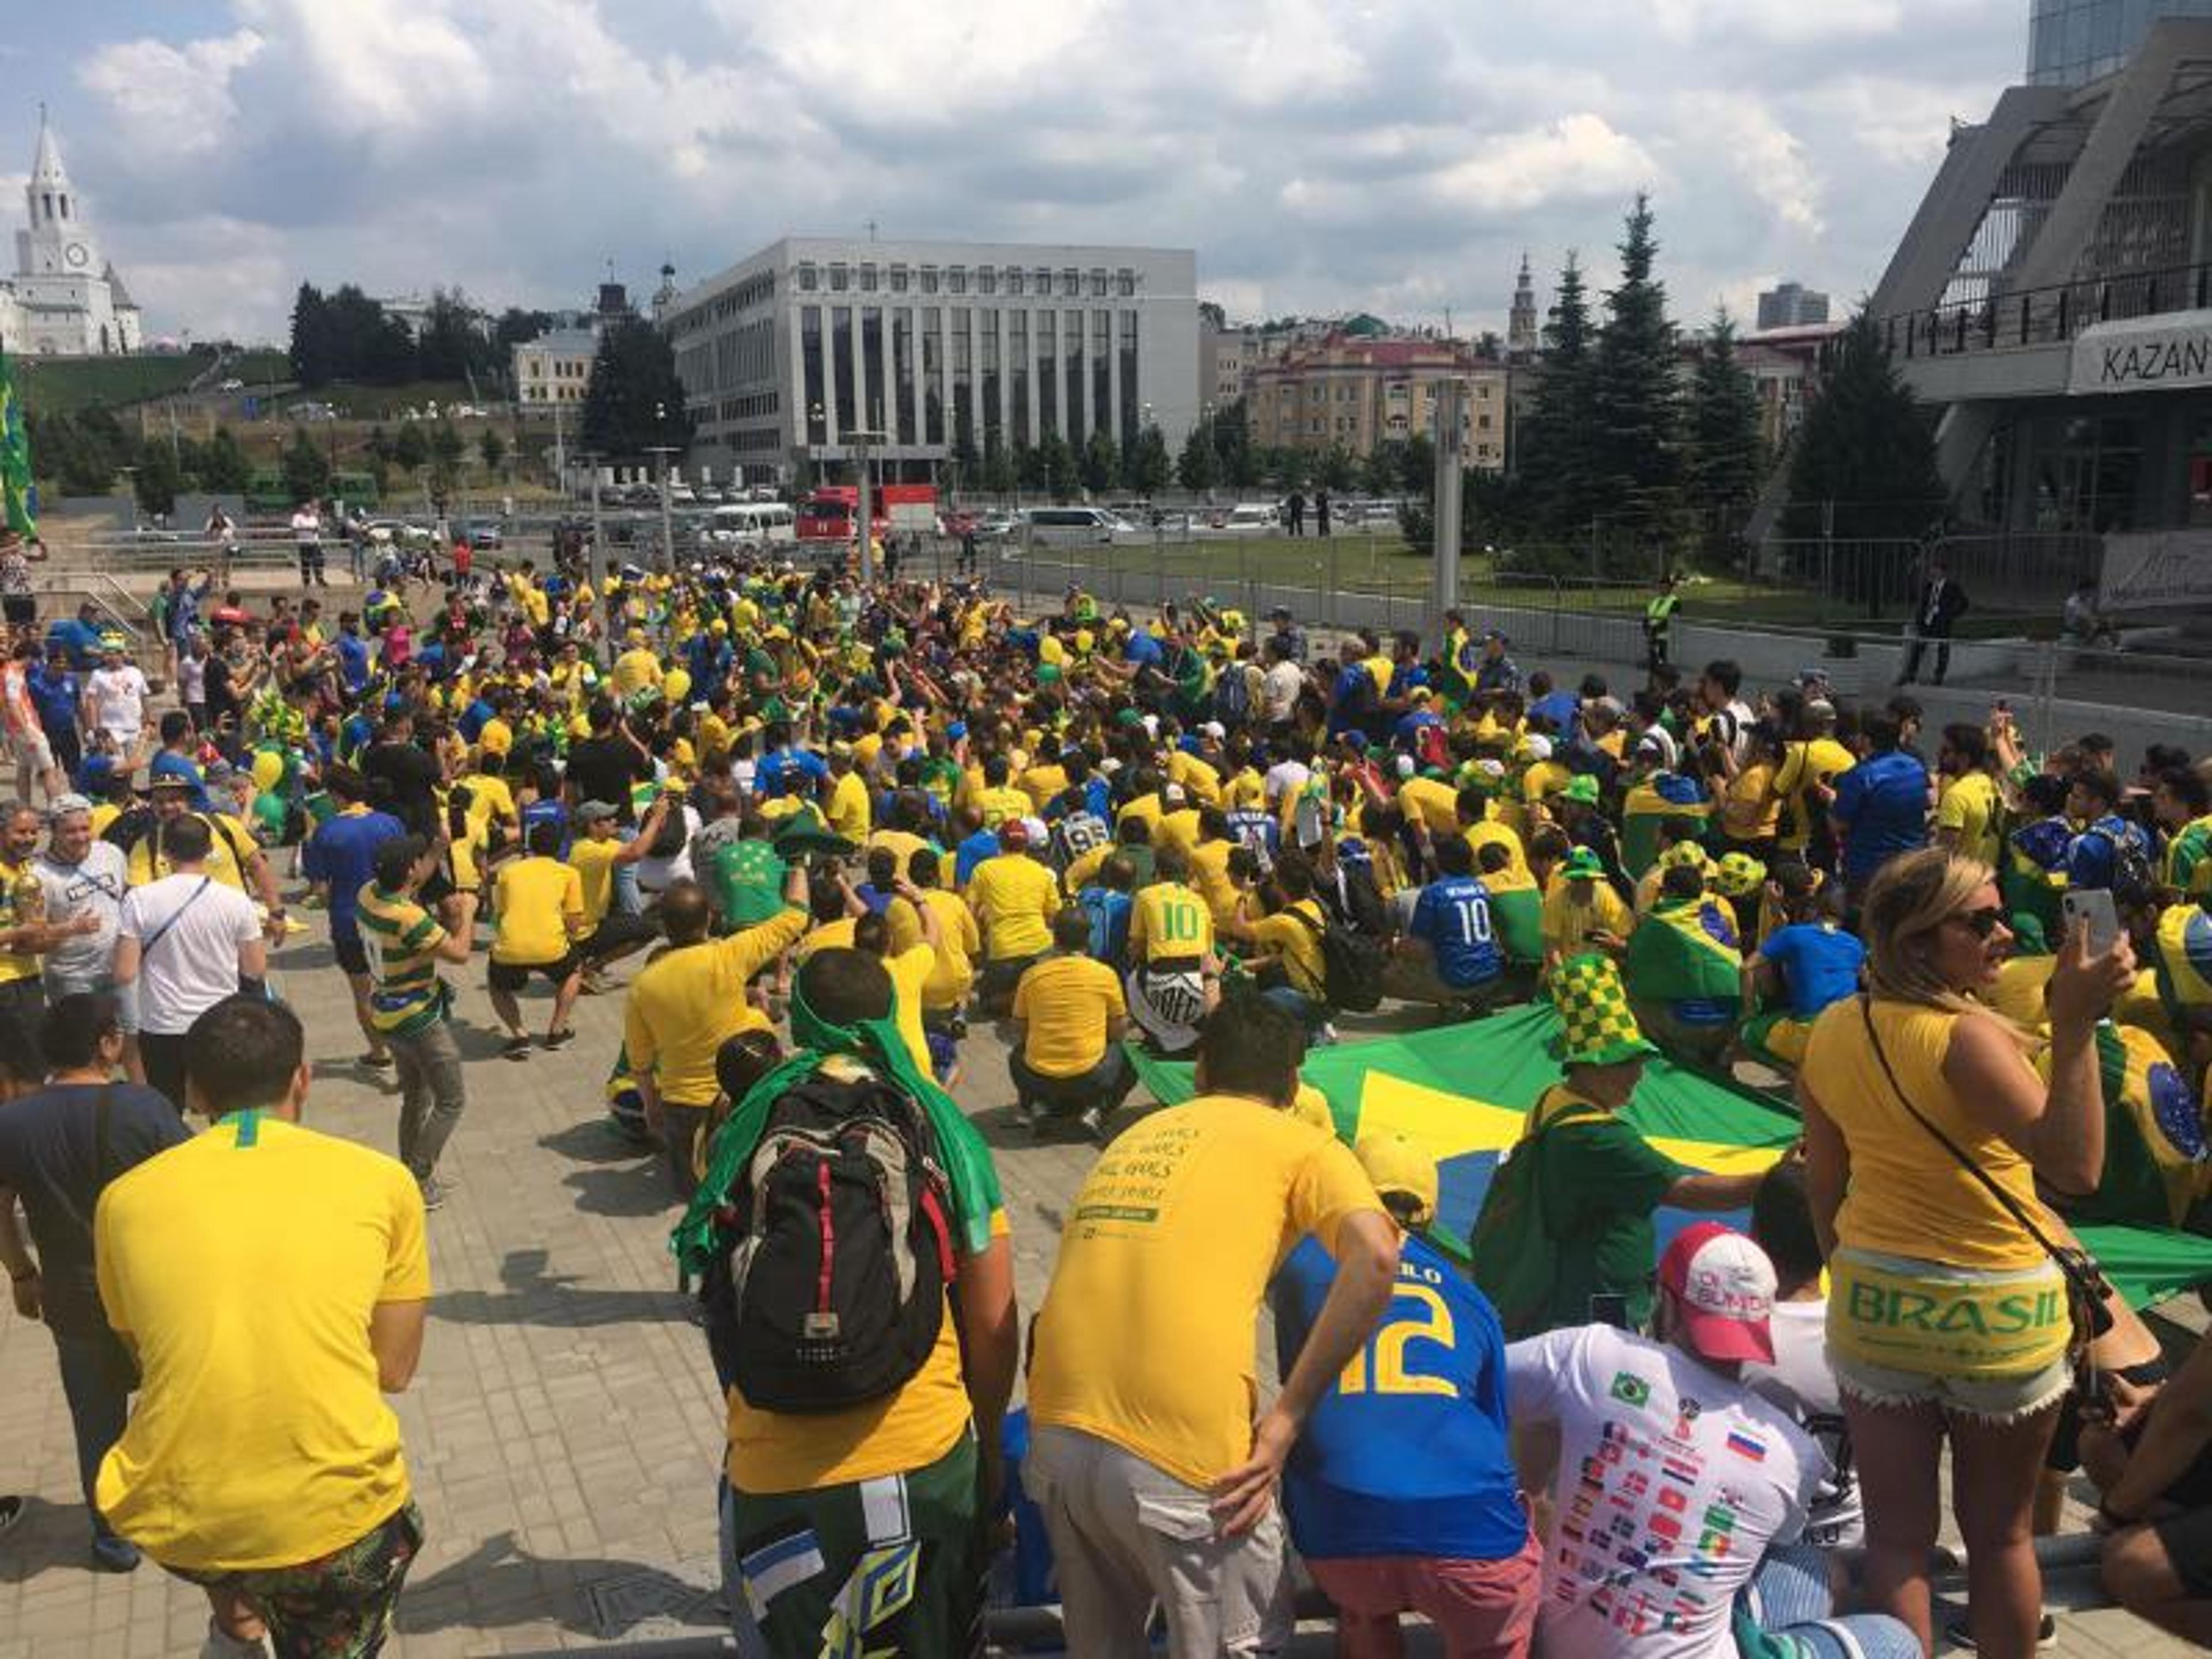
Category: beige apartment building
[1362,392]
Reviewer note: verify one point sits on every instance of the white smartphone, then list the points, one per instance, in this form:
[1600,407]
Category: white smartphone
[2092,907]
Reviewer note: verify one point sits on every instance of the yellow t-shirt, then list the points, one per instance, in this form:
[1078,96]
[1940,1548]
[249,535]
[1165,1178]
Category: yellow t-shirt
[228,842]
[1067,1002]
[1431,800]
[997,805]
[1568,921]
[1209,873]
[1178,829]
[22,904]
[536,897]
[952,968]
[830,936]
[910,970]
[684,1006]
[634,670]
[848,807]
[1015,898]
[1042,783]
[1751,811]
[1970,806]
[1148,1335]
[904,842]
[1906,1196]
[1492,832]
[1297,944]
[1167,920]
[243,1265]
[594,863]
[1822,760]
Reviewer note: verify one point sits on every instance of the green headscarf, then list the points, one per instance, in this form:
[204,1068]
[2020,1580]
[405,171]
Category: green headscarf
[701,1236]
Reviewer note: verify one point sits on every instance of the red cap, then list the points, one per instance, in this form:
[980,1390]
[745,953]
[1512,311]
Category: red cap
[1722,1287]
[1013,836]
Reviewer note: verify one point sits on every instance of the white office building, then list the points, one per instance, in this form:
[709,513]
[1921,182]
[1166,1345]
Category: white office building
[784,354]
[556,367]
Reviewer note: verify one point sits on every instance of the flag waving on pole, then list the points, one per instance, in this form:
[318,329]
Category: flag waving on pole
[16,510]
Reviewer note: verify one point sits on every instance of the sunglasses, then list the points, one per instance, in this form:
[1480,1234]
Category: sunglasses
[1981,923]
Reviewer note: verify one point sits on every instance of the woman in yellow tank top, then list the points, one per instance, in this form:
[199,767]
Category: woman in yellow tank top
[1946,1318]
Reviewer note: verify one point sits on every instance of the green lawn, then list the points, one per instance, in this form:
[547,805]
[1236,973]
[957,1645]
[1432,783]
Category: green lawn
[58,386]
[1379,562]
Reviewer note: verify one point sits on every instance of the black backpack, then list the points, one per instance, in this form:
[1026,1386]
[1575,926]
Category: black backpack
[833,1292]
[1351,964]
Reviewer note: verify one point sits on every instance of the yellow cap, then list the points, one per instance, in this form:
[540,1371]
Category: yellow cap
[1396,1164]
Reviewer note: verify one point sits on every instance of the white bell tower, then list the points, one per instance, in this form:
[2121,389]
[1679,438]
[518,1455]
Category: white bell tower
[58,243]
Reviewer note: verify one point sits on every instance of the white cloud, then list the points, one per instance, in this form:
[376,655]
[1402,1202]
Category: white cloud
[172,101]
[1765,157]
[1575,158]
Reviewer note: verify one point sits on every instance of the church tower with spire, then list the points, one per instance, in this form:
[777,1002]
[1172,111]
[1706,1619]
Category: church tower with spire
[1521,339]
[68,299]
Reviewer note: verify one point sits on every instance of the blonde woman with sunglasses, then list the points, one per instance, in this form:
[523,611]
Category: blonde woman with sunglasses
[1947,1319]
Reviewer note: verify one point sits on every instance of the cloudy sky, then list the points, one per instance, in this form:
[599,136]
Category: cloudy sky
[1392,154]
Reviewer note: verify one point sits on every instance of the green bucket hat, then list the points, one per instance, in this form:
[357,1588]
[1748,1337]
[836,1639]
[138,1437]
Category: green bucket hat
[1582,864]
[1581,789]
[1597,1027]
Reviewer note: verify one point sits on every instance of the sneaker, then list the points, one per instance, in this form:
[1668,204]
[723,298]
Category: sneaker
[516,1047]
[374,1062]
[433,1191]
[1094,1123]
[112,1554]
[1961,1635]
[11,1511]
[561,1038]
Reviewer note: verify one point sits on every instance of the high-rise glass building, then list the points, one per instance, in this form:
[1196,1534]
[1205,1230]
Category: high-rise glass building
[2071,42]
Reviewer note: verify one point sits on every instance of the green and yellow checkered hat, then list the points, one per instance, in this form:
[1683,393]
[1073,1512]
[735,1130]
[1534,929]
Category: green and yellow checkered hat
[1738,875]
[1597,1028]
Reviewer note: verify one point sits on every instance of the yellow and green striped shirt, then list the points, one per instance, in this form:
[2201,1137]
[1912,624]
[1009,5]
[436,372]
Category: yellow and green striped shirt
[408,996]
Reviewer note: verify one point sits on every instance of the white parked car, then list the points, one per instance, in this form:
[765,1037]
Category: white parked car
[1081,527]
[1245,519]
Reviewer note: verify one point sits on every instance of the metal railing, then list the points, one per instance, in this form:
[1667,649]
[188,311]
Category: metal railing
[2044,316]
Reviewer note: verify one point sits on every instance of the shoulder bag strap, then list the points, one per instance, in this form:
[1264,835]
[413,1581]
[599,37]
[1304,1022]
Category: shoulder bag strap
[175,916]
[1965,1161]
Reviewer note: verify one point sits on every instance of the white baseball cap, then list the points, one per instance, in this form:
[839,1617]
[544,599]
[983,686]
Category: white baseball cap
[1724,1286]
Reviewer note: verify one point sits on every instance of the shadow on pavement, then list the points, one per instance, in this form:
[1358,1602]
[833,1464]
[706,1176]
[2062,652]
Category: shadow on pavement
[595,1141]
[530,1296]
[51,1536]
[498,1583]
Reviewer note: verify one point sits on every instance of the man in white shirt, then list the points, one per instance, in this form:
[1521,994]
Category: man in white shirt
[115,694]
[187,941]
[1281,685]
[307,538]
[83,877]
[1674,1478]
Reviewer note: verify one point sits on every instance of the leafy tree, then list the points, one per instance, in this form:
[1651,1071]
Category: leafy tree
[306,469]
[223,469]
[446,448]
[1726,462]
[634,401]
[492,448]
[1145,468]
[1289,468]
[1101,463]
[1865,453]
[380,444]
[518,327]
[967,461]
[1237,463]
[452,347]
[1057,461]
[1338,469]
[999,476]
[1200,464]
[157,480]
[1383,472]
[1638,476]
[1209,311]
[314,349]
[1556,456]
[411,450]
[1028,466]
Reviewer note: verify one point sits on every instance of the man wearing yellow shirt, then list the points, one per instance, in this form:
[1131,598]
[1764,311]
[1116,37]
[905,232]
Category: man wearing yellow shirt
[1155,1477]
[1173,972]
[857,1528]
[288,1503]
[637,669]
[848,807]
[1582,912]
[685,1003]
[1014,898]
[1069,1017]
[959,942]
[1969,812]
[595,854]
[1472,808]
[540,903]
[1287,953]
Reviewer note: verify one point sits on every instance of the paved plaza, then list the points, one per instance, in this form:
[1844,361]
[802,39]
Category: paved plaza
[563,1429]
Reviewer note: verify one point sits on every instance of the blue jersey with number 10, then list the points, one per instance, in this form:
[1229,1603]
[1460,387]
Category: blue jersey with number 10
[1406,1453]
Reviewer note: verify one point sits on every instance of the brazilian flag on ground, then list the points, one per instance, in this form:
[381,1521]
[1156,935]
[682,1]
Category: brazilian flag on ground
[16,497]
[1462,1091]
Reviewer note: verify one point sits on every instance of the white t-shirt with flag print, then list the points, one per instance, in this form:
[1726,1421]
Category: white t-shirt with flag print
[1672,1480]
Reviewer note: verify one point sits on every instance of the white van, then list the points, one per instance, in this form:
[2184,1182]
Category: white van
[1080,527]
[1245,519]
[753,521]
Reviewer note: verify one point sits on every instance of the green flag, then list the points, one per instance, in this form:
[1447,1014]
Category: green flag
[17,512]
[1419,1086]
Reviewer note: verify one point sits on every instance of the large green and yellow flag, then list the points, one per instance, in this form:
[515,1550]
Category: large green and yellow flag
[1683,951]
[15,495]
[1462,1092]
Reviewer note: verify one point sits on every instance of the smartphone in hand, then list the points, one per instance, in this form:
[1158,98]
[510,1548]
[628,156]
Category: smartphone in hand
[2093,907]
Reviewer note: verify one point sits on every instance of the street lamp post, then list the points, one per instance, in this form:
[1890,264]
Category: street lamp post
[598,562]
[863,442]
[667,512]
